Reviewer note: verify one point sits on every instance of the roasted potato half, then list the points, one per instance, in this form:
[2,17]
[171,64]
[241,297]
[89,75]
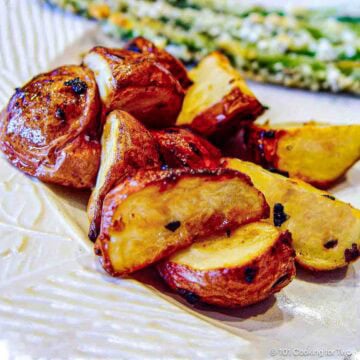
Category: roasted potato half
[319,154]
[182,148]
[219,99]
[175,66]
[50,127]
[126,147]
[154,213]
[137,84]
[237,269]
[325,231]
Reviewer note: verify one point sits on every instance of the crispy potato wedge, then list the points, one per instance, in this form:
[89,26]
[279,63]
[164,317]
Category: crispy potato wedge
[182,148]
[249,265]
[219,99]
[325,231]
[137,84]
[50,127]
[126,147]
[319,154]
[154,213]
[175,66]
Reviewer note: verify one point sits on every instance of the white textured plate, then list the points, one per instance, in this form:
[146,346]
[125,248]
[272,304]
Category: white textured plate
[56,303]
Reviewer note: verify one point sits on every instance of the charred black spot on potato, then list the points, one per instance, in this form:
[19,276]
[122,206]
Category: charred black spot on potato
[189,296]
[171,131]
[78,87]
[278,171]
[60,114]
[329,196]
[195,149]
[270,134]
[250,273]
[173,226]
[134,48]
[228,232]
[279,215]
[280,280]
[161,105]
[352,254]
[93,233]
[330,244]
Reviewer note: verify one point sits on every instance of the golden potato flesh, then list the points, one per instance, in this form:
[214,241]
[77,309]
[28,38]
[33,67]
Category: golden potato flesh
[319,154]
[126,147]
[219,99]
[137,84]
[325,231]
[153,214]
[234,269]
[50,127]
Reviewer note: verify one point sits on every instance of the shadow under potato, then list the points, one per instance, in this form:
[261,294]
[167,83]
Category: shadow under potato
[74,197]
[325,277]
[151,278]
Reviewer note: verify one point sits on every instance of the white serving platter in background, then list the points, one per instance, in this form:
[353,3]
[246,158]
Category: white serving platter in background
[56,302]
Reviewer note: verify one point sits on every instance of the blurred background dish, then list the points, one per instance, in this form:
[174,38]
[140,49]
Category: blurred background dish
[311,48]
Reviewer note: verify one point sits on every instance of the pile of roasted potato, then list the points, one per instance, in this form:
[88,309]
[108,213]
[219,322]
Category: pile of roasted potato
[151,139]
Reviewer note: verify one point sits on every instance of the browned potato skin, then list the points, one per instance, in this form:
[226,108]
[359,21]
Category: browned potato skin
[135,149]
[235,110]
[50,128]
[175,66]
[182,148]
[166,179]
[229,287]
[142,87]
[256,144]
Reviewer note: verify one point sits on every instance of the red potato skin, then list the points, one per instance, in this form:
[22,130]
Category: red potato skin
[231,287]
[165,179]
[144,88]
[227,116]
[256,144]
[172,64]
[50,127]
[136,149]
[182,148]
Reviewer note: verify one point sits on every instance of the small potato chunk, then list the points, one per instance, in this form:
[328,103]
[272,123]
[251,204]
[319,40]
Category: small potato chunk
[319,154]
[237,269]
[325,231]
[126,147]
[182,148]
[219,100]
[154,213]
[175,66]
[137,84]
[50,127]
